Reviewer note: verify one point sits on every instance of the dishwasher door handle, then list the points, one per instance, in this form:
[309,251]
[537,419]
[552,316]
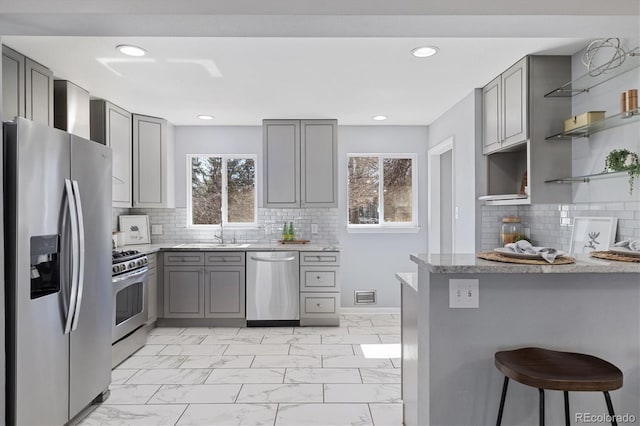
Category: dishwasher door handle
[267,259]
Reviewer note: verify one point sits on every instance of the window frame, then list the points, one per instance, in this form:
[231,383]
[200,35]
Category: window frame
[224,207]
[383,226]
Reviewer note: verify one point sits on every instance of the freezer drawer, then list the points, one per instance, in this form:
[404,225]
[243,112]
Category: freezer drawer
[273,286]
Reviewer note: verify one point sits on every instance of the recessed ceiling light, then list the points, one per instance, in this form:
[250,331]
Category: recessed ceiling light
[130,50]
[205,117]
[379,117]
[424,51]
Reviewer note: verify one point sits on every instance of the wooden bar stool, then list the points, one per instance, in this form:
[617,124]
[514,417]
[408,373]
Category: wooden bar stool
[563,371]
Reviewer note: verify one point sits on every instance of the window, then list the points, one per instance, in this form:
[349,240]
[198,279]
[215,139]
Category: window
[382,191]
[221,189]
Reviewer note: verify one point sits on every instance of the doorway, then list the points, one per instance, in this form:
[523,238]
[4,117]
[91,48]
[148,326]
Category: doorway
[441,197]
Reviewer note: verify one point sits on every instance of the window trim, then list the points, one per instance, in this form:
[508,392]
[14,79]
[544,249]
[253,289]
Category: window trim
[388,227]
[225,211]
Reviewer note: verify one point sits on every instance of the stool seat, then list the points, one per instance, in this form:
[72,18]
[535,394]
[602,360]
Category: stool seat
[565,371]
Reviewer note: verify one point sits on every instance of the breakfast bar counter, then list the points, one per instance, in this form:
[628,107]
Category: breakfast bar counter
[592,306]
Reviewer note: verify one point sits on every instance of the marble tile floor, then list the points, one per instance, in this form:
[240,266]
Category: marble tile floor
[275,376]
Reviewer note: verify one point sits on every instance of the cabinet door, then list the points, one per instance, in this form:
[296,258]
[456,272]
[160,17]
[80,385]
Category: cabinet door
[515,98]
[38,93]
[319,163]
[225,292]
[491,116]
[118,137]
[183,292]
[152,300]
[281,150]
[149,161]
[12,84]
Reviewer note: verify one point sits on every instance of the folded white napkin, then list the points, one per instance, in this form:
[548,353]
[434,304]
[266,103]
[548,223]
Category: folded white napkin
[630,244]
[549,254]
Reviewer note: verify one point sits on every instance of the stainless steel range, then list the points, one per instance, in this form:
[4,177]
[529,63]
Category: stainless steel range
[130,311]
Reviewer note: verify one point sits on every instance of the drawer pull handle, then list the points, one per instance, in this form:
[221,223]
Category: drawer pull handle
[318,277]
[318,305]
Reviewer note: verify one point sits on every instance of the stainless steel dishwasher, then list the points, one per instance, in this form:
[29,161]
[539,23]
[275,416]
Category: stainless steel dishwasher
[273,288]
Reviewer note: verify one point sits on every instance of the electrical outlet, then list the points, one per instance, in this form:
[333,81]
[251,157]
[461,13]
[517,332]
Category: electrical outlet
[156,229]
[314,228]
[464,294]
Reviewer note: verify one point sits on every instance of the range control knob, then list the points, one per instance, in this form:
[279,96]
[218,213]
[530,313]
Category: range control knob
[115,269]
[132,264]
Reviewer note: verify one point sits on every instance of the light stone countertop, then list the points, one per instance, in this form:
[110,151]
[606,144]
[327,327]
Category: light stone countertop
[470,264]
[154,248]
[408,278]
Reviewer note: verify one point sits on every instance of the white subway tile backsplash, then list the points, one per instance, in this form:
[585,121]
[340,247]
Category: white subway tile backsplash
[269,228]
[552,224]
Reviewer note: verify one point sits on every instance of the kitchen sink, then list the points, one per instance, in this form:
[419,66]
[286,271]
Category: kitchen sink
[210,245]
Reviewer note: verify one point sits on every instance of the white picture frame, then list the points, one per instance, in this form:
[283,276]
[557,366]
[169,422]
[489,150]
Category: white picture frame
[135,228]
[592,234]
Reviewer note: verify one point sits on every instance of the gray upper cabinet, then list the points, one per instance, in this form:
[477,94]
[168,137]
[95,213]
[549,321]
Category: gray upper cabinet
[319,153]
[224,292]
[491,116]
[505,108]
[153,184]
[183,292]
[12,84]
[300,163]
[38,92]
[111,125]
[27,88]
[515,100]
[281,142]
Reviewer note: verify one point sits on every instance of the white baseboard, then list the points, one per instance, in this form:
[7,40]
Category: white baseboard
[368,310]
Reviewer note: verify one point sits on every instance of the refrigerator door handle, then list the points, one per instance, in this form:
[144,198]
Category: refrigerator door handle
[81,252]
[71,203]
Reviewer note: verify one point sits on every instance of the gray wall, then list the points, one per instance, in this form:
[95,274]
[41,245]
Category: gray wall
[462,122]
[369,261]
[588,313]
[446,202]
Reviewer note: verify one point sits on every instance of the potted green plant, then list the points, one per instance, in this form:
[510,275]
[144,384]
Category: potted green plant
[623,160]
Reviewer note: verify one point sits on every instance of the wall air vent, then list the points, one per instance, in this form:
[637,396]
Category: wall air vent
[365,297]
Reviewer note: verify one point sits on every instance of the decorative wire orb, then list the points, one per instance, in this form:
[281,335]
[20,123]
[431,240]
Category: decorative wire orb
[618,55]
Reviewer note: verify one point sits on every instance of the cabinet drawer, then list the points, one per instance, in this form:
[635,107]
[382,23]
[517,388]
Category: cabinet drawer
[324,304]
[183,258]
[315,278]
[320,258]
[153,260]
[230,258]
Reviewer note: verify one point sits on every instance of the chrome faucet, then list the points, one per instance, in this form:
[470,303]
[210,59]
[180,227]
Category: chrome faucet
[220,237]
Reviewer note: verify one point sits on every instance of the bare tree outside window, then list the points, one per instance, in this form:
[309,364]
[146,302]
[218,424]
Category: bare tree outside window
[206,190]
[397,190]
[366,175]
[363,190]
[241,190]
[214,195]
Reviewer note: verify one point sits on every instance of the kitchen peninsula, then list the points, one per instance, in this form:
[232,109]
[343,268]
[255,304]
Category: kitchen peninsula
[591,306]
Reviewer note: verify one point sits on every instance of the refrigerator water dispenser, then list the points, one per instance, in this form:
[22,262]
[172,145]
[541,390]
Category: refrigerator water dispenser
[45,265]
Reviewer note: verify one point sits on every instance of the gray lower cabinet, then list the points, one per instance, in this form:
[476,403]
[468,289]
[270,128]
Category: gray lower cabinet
[27,88]
[152,287]
[319,288]
[183,292]
[224,292]
[204,285]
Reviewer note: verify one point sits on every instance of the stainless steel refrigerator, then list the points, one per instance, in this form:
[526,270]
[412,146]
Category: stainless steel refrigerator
[58,268]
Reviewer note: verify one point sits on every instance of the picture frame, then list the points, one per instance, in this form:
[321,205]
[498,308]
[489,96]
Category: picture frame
[135,228]
[593,233]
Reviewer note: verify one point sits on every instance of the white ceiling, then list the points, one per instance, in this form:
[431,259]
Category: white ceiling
[246,60]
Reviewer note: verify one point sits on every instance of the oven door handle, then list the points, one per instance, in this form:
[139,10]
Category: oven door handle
[129,275]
